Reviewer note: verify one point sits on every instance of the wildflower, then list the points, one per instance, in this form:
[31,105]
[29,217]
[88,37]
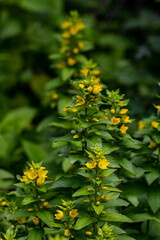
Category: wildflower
[66,34]
[107,199]
[152,144]
[74,110]
[65,109]
[36,220]
[32,174]
[123,129]
[54,96]
[95,120]
[115,120]
[65,24]
[96,72]
[76,136]
[73,213]
[126,119]
[80,44]
[80,101]
[71,61]
[103,163]
[97,80]
[24,178]
[104,188]
[86,200]
[3,203]
[103,196]
[103,212]
[97,89]
[60,65]
[112,111]
[75,50]
[40,180]
[158,107]
[91,165]
[59,215]
[73,30]
[98,203]
[66,232]
[88,233]
[80,25]
[90,88]
[155,124]
[123,111]
[140,125]
[45,204]
[105,117]
[84,71]
[81,86]
[42,173]
[30,209]
[21,220]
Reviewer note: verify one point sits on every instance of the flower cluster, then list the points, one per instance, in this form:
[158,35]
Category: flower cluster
[36,174]
[71,44]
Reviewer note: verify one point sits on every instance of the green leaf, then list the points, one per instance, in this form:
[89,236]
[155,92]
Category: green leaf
[125,237]
[33,151]
[112,189]
[66,164]
[28,200]
[151,177]
[82,192]
[140,217]
[35,234]
[98,209]
[115,217]
[23,213]
[67,73]
[46,217]
[154,199]
[106,135]
[126,164]
[66,182]
[5,174]
[83,222]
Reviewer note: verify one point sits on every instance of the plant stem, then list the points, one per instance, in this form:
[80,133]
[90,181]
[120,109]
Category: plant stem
[85,130]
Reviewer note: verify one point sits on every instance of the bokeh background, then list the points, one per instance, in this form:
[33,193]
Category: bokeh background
[126,44]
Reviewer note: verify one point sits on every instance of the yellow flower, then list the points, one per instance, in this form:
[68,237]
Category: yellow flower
[123,129]
[71,61]
[59,215]
[97,80]
[105,117]
[155,124]
[112,111]
[81,86]
[91,165]
[76,136]
[54,96]
[65,109]
[158,107]
[74,110]
[95,120]
[88,233]
[141,125]
[21,220]
[24,178]
[96,72]
[30,209]
[89,189]
[65,24]
[40,180]
[84,71]
[73,30]
[103,163]
[45,204]
[32,174]
[66,232]
[90,88]
[3,203]
[42,173]
[73,213]
[98,203]
[36,220]
[61,64]
[123,111]
[75,50]
[80,101]
[80,25]
[103,212]
[104,188]
[97,89]
[66,34]
[152,144]
[103,196]
[115,120]
[107,199]
[126,119]
[80,44]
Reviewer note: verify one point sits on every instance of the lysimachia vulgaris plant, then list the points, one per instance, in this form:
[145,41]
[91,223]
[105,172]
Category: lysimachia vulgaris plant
[90,168]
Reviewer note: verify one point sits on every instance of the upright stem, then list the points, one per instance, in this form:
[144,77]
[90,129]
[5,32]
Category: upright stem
[95,228]
[85,130]
[38,205]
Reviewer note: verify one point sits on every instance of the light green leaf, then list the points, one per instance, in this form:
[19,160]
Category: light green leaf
[66,164]
[115,217]
[83,222]
[126,165]
[33,151]
[140,217]
[82,192]
[67,73]
[35,234]
[28,200]
[151,177]
[46,217]
[154,199]
[98,209]
[23,213]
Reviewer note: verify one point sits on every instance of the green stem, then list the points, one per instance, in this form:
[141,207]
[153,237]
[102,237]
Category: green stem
[38,205]
[85,130]
[95,227]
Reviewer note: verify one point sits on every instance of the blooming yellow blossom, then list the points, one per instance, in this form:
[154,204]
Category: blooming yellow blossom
[80,101]
[45,204]
[66,232]
[40,180]
[88,233]
[98,203]
[141,125]
[3,203]
[126,119]
[74,110]
[152,144]
[97,89]
[123,129]
[73,213]
[66,24]
[66,34]
[76,136]
[91,165]
[80,44]
[36,220]
[21,220]
[75,50]
[103,163]
[30,209]
[97,80]
[32,174]
[54,96]
[71,61]
[89,89]
[104,188]
[158,107]
[115,120]
[42,173]
[105,117]
[155,124]
[123,111]
[59,215]
[81,86]
[84,71]
[112,111]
